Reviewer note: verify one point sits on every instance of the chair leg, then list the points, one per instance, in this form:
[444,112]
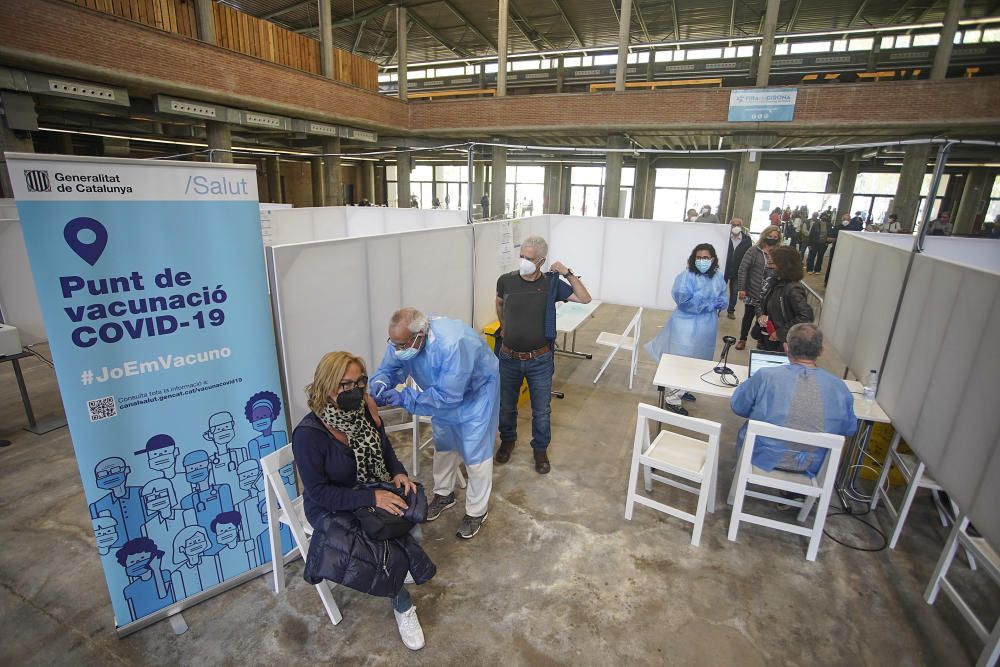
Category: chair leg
[647,474]
[607,361]
[829,475]
[416,445]
[274,535]
[699,515]
[884,474]
[633,470]
[326,595]
[944,562]
[736,495]
[904,508]
[990,656]
[806,508]
[713,480]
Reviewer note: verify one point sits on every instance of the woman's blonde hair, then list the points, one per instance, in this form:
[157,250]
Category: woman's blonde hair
[329,373]
[768,230]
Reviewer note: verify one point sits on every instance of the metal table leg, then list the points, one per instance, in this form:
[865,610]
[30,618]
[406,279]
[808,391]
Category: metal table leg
[25,399]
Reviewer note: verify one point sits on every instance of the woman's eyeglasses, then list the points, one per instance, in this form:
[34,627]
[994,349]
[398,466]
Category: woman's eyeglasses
[360,383]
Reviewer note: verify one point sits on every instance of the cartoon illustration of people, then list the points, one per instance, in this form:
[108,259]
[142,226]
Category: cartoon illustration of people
[105,532]
[234,556]
[122,503]
[264,539]
[150,588]
[250,479]
[206,500]
[287,473]
[163,521]
[195,572]
[221,431]
[261,411]
[161,454]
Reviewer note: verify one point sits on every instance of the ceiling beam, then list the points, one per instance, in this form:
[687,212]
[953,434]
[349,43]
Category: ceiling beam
[278,12]
[794,17]
[858,12]
[572,28]
[902,8]
[438,37]
[732,19]
[527,28]
[677,25]
[468,24]
[641,20]
[357,37]
[359,17]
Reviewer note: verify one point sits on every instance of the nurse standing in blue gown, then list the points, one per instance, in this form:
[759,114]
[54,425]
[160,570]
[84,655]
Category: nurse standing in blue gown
[700,293]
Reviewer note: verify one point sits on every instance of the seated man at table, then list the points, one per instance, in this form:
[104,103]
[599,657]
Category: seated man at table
[796,395]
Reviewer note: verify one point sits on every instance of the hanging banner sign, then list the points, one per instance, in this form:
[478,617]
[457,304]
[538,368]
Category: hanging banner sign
[155,304]
[761,105]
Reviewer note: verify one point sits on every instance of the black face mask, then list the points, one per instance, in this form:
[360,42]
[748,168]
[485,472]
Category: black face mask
[349,401]
[771,241]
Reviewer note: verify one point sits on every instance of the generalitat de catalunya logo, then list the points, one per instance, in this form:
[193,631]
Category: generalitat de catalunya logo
[37,180]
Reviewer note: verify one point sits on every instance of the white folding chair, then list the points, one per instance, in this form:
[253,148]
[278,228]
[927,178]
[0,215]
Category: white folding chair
[283,510]
[678,455]
[627,340]
[818,488]
[915,473]
[990,561]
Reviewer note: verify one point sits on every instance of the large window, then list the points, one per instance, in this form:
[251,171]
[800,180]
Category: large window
[678,190]
[793,189]
[450,185]
[586,194]
[874,193]
[446,183]
[994,208]
[525,191]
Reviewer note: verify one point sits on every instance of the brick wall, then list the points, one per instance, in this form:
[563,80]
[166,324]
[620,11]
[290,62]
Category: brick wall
[62,38]
[949,104]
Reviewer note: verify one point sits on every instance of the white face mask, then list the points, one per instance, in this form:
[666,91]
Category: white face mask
[735,231]
[526,267]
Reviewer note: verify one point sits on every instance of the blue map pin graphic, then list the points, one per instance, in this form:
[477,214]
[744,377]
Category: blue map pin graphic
[88,252]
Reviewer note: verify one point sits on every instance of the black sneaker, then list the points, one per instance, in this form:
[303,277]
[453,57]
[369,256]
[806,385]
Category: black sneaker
[470,526]
[678,409]
[439,504]
[688,396]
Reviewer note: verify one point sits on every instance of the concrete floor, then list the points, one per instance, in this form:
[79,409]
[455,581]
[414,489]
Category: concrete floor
[557,576]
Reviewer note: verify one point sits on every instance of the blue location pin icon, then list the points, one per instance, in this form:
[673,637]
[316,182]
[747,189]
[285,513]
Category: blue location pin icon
[87,238]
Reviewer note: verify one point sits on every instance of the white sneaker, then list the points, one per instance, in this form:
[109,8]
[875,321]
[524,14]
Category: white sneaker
[409,628]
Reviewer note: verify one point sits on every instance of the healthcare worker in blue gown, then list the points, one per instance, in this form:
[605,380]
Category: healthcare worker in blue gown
[700,293]
[459,381]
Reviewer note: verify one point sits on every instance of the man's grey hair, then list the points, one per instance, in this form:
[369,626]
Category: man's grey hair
[805,341]
[411,318]
[538,243]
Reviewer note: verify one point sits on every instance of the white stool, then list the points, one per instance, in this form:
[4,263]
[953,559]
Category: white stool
[819,488]
[679,455]
[985,555]
[627,340]
[282,510]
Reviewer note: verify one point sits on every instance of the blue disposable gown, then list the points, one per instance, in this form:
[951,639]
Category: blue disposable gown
[691,329]
[767,396]
[460,379]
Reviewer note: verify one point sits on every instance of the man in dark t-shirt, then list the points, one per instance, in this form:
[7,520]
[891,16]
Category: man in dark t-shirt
[526,308]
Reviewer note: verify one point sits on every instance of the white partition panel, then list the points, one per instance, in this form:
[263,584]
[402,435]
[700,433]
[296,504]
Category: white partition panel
[862,294]
[630,273]
[291,225]
[939,384]
[328,222]
[978,252]
[18,299]
[339,294]
[579,244]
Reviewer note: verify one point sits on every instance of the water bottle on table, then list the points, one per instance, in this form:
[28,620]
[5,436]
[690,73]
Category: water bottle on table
[871,385]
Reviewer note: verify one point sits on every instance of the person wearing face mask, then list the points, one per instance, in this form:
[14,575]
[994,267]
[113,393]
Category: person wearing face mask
[526,308]
[150,588]
[707,215]
[784,302]
[754,272]
[739,243]
[460,388]
[123,503]
[700,293]
[847,224]
[340,446]
[692,215]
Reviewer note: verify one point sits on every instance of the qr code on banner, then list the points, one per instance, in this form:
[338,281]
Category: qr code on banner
[102,408]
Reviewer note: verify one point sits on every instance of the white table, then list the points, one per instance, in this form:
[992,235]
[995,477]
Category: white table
[569,316]
[697,376]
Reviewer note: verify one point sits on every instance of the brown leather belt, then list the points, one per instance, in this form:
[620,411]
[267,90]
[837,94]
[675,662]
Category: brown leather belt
[525,356]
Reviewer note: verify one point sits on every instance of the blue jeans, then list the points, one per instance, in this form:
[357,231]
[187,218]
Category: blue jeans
[538,372]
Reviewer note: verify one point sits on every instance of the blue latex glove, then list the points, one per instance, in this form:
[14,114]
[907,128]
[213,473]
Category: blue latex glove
[389,398]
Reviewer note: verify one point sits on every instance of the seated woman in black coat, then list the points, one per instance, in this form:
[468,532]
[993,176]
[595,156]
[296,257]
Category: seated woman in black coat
[785,301]
[338,446]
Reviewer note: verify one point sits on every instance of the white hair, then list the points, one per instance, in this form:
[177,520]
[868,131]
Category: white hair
[538,243]
[413,319]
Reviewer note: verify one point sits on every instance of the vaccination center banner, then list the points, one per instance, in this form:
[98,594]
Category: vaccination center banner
[154,298]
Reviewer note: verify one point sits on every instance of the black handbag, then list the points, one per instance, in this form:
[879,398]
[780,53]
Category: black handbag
[379,524]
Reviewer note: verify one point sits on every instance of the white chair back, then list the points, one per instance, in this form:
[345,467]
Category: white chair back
[819,488]
[629,339]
